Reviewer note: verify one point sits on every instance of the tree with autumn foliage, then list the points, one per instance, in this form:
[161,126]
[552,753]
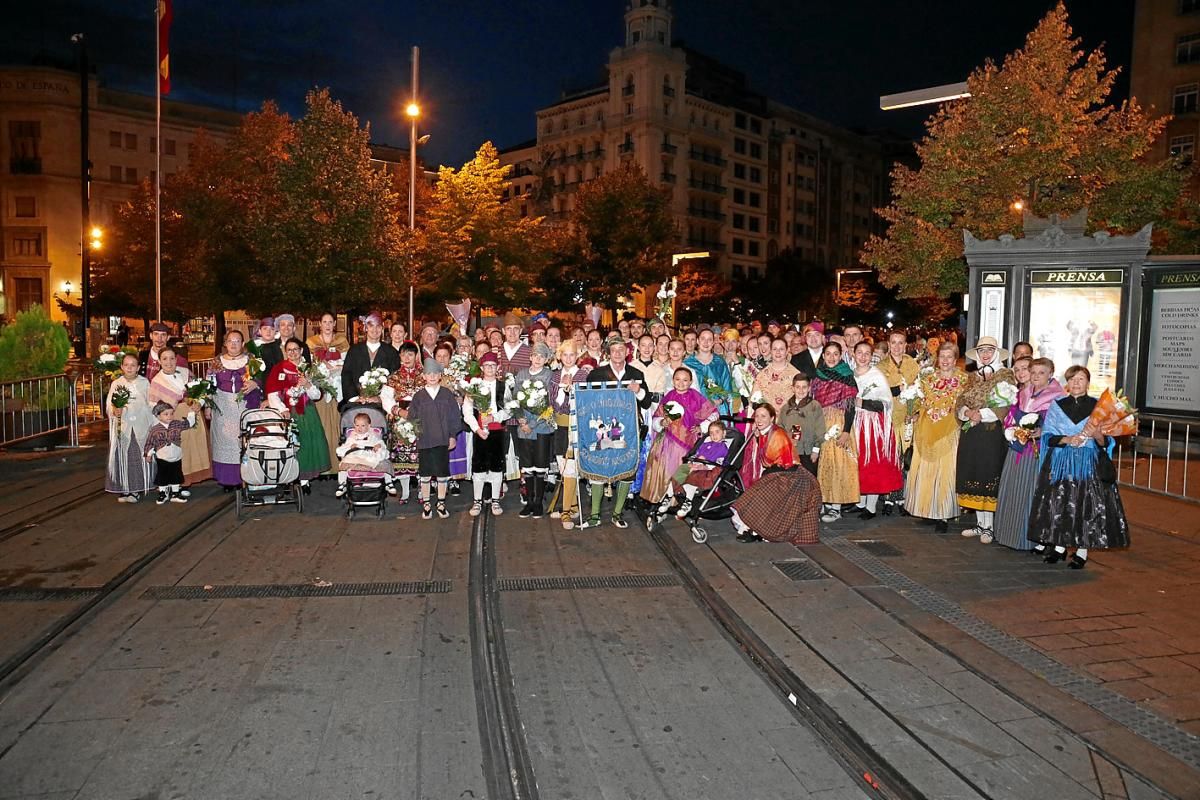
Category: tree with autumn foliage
[1036,129]
[620,236]
[701,290]
[327,236]
[474,245]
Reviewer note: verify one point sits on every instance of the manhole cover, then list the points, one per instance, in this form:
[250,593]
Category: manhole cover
[587,582]
[800,570]
[18,594]
[289,590]
[878,548]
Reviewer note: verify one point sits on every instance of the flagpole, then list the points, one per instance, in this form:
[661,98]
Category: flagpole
[158,12]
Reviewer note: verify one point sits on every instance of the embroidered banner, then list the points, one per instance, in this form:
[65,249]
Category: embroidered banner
[606,419]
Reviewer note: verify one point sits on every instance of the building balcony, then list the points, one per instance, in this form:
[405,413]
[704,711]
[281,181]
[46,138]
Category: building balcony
[702,244]
[627,91]
[667,177]
[704,213]
[707,158]
[670,149]
[706,186]
[625,148]
[668,91]
[24,166]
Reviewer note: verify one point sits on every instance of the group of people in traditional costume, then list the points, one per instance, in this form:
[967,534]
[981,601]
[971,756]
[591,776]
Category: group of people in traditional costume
[832,424]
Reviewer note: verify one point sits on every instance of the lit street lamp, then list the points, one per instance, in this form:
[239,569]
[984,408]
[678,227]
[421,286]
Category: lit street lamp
[414,112]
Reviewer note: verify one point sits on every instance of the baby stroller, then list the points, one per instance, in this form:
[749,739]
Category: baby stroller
[716,502]
[269,470]
[365,488]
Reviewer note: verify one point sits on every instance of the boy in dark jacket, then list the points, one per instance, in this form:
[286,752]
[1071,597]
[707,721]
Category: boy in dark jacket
[435,410]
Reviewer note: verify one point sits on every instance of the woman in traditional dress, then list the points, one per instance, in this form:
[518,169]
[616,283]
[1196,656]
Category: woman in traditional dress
[170,386]
[329,347]
[774,381]
[768,450]
[402,384]
[129,474]
[291,393]
[930,489]
[878,457]
[675,435]
[1076,503]
[236,392]
[712,373]
[1038,392]
[837,470]
[534,440]
[982,408]
[562,391]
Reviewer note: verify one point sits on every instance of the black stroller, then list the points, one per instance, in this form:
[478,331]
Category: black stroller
[715,502]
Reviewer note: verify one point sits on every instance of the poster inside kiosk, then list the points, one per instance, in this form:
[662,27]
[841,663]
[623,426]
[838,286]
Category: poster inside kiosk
[1172,373]
[1075,318]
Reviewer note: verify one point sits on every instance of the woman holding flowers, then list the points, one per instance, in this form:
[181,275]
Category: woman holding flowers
[837,471]
[679,420]
[930,489]
[562,389]
[529,399]
[396,395]
[1075,502]
[129,421]
[878,456]
[172,384]
[981,409]
[1022,429]
[237,380]
[328,348]
[291,392]
[774,381]
[484,413]
[712,373]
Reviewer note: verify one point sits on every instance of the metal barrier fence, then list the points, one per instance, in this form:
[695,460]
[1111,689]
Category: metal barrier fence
[38,407]
[1162,458]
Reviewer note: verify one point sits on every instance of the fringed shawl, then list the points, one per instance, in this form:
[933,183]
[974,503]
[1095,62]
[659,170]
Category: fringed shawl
[835,386]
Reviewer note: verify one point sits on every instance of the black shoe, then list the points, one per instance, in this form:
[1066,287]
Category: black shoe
[306,488]
[865,514]
[1077,562]
[888,507]
[454,489]
[1054,557]
[748,536]
[526,511]
[941,526]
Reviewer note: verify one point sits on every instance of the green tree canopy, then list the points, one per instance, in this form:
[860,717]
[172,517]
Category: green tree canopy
[1036,129]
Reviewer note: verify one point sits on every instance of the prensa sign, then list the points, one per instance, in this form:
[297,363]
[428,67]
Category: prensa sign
[1077,277]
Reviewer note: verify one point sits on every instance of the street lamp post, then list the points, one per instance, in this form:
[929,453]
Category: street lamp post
[85,182]
[414,111]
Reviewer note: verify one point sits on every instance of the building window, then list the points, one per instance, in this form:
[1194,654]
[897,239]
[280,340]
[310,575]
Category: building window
[755,175]
[755,224]
[739,146]
[1189,6]
[26,245]
[753,273]
[755,200]
[739,221]
[115,174]
[24,147]
[168,147]
[114,138]
[739,271]
[755,150]
[753,248]
[131,141]
[739,246]
[739,196]
[28,292]
[1184,101]
[24,207]
[739,121]
[1183,147]
[1187,48]
[131,175]
[739,171]
[755,125]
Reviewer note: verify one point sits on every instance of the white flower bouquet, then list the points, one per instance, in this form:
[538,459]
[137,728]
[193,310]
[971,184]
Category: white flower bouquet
[532,399]
[372,381]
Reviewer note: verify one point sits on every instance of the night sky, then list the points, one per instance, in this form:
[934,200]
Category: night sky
[487,66]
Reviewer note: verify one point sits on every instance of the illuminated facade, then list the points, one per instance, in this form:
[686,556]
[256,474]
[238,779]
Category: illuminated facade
[1165,71]
[748,177]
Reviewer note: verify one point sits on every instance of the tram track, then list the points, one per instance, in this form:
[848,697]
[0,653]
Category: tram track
[112,590]
[60,506]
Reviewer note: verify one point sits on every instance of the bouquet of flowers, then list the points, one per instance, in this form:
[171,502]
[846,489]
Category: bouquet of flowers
[673,411]
[1003,394]
[1113,415]
[110,358]
[256,368]
[666,296]
[756,398]
[1022,432]
[532,399]
[833,433]
[372,381]
[120,398]
[715,392]
[743,381]
[203,391]
[318,375]
[459,368]
[405,431]
[911,395]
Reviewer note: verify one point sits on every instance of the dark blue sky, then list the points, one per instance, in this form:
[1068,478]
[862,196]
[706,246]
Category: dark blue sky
[487,66]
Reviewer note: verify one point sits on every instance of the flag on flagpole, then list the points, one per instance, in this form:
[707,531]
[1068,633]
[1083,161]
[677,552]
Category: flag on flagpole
[164,52]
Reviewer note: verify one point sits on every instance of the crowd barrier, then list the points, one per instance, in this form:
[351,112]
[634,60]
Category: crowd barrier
[1161,458]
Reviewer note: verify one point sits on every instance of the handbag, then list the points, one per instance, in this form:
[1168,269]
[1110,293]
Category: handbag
[1105,469]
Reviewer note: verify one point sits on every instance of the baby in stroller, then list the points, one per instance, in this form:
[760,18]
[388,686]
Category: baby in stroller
[364,453]
[713,480]
[701,466]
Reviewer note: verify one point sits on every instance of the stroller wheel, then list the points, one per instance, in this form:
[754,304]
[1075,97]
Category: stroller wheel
[379,512]
[699,535]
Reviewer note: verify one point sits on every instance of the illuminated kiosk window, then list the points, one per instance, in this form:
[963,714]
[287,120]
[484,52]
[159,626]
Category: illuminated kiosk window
[1075,319]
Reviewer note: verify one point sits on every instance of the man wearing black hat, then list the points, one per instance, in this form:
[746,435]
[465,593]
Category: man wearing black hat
[148,359]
